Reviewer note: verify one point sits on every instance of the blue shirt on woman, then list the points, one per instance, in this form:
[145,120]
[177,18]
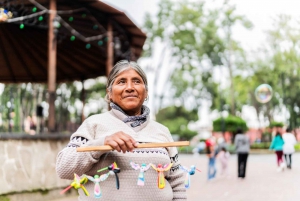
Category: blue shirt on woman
[277,143]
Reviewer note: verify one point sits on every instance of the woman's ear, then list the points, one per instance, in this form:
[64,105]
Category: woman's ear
[147,96]
[108,94]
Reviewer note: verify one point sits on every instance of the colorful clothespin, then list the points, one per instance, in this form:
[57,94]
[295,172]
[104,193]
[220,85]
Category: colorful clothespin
[143,168]
[160,169]
[113,170]
[96,179]
[77,184]
[189,172]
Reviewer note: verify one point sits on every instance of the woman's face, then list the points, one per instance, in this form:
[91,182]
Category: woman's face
[129,92]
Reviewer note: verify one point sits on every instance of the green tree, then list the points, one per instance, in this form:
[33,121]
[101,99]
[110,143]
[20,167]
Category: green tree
[285,59]
[258,73]
[276,124]
[70,94]
[177,120]
[179,27]
[96,93]
[200,39]
[277,64]
[21,100]
[233,57]
[231,123]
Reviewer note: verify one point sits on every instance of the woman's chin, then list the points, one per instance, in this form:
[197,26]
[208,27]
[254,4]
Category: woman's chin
[132,108]
[132,104]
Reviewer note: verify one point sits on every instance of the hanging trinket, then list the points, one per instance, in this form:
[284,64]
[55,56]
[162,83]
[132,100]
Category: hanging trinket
[189,172]
[143,168]
[160,169]
[113,170]
[96,179]
[77,184]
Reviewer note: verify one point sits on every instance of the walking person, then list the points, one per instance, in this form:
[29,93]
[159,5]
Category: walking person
[277,145]
[223,156]
[210,150]
[288,146]
[242,148]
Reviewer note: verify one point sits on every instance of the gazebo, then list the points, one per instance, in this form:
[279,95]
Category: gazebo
[64,40]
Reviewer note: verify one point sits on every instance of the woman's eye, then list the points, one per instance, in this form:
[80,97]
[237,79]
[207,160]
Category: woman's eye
[137,81]
[121,82]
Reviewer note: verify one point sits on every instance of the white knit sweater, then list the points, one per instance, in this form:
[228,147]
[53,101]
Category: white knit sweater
[93,131]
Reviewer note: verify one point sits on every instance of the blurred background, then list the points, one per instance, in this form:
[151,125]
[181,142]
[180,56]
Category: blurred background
[213,66]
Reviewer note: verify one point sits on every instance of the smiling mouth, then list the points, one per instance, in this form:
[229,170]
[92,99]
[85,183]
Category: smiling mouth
[130,97]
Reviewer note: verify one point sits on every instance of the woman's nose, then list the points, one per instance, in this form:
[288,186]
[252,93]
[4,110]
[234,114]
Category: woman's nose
[129,86]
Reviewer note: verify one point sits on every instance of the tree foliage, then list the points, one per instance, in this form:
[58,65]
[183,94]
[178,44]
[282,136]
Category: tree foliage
[200,40]
[21,100]
[277,64]
[177,120]
[230,123]
[17,102]
[285,59]
[275,124]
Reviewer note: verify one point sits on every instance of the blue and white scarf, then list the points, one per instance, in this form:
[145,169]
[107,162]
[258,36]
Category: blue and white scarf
[137,120]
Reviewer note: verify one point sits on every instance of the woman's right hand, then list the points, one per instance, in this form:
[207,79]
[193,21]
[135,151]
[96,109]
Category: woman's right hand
[121,142]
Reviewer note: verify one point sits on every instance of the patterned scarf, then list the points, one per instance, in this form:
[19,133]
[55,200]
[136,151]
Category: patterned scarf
[137,120]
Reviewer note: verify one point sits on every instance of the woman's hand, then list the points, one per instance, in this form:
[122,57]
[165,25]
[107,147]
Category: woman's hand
[121,142]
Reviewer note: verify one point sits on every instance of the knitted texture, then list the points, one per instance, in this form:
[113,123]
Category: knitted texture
[93,131]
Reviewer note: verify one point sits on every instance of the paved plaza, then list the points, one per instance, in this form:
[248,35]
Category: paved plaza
[262,183]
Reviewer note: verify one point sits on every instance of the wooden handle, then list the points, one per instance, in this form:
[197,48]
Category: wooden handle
[142,145]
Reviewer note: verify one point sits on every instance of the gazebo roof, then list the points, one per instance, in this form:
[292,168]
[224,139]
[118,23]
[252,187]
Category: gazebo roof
[24,52]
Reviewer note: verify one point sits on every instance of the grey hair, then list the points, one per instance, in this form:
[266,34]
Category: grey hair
[120,67]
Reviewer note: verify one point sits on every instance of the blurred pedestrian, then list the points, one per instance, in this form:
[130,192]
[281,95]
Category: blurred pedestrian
[220,144]
[277,145]
[242,148]
[223,156]
[289,140]
[210,150]
[199,147]
[30,125]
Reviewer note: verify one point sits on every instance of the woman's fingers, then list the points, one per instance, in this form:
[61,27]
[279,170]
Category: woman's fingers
[127,143]
[114,145]
[122,145]
[121,142]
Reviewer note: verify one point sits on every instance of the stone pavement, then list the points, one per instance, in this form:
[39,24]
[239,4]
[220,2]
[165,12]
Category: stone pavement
[262,182]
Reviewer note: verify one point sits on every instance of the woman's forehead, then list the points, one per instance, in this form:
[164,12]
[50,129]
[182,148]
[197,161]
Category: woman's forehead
[129,74]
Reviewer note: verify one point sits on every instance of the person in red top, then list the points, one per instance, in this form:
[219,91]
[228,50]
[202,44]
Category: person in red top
[210,149]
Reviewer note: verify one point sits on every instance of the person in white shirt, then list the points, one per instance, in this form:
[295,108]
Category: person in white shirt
[288,146]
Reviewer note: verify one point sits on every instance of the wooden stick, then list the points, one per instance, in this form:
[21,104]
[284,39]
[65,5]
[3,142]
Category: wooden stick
[141,145]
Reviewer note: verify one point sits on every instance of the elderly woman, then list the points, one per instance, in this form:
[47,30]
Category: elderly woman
[123,127]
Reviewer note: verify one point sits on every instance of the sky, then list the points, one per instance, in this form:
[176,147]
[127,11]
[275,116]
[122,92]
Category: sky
[260,12]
